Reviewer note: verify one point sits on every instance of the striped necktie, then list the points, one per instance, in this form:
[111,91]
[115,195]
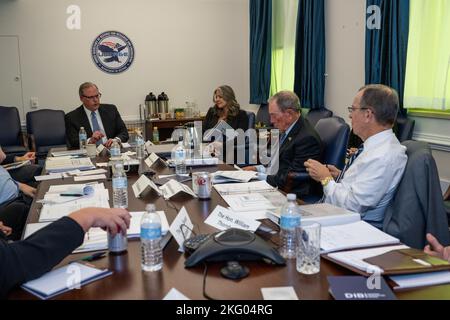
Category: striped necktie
[349,163]
[95,126]
[282,137]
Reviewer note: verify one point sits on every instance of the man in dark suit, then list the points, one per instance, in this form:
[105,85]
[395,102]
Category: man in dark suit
[28,259]
[298,141]
[102,122]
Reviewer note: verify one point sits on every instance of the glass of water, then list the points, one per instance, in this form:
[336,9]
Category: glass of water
[308,247]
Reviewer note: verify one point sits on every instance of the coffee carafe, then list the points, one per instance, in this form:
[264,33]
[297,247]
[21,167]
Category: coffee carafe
[163,103]
[151,106]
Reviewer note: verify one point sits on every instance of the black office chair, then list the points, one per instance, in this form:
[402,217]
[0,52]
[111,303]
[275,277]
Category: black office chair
[46,129]
[334,133]
[447,203]
[251,119]
[12,139]
[417,207]
[314,115]
[405,128]
[262,115]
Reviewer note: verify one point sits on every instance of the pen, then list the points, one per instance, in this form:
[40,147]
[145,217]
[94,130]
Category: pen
[95,256]
[71,194]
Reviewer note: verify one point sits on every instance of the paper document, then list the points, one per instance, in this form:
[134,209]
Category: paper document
[174,294]
[233,176]
[61,164]
[92,177]
[248,202]
[249,187]
[409,281]
[172,187]
[61,280]
[193,162]
[79,152]
[353,235]
[16,165]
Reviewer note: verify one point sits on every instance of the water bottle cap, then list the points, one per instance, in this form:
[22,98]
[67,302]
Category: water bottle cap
[292,196]
[81,127]
[150,207]
[155,128]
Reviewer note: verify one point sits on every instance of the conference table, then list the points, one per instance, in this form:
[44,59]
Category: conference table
[128,281]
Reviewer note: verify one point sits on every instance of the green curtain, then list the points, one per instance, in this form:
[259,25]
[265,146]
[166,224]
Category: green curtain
[284,19]
[428,64]
[260,50]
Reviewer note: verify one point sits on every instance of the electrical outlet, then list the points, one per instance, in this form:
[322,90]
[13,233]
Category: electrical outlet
[34,103]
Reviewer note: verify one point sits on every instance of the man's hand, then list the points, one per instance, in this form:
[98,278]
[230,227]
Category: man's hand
[6,230]
[109,143]
[316,170]
[436,249]
[335,172]
[96,136]
[114,220]
[27,156]
[26,189]
[2,155]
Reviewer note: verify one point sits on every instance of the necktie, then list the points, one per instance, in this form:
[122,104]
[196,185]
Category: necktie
[347,165]
[95,126]
[282,138]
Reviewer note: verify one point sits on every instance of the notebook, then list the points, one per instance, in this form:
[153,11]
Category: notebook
[64,279]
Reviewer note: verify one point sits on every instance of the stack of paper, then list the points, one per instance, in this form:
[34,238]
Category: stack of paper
[79,152]
[409,281]
[61,280]
[233,176]
[196,162]
[62,164]
[353,235]
[248,202]
[249,187]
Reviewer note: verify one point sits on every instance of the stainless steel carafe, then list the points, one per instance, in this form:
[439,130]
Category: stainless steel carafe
[151,106]
[163,103]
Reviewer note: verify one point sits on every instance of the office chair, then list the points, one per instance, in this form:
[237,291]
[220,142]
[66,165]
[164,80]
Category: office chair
[12,140]
[447,203]
[262,115]
[46,129]
[333,132]
[251,119]
[405,128]
[417,207]
[314,115]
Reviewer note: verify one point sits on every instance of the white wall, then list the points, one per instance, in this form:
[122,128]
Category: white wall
[183,47]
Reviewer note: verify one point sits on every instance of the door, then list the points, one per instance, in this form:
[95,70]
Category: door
[10,76]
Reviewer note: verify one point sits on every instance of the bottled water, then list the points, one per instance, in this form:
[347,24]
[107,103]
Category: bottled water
[120,186]
[155,135]
[82,138]
[115,149]
[179,156]
[140,147]
[151,240]
[290,219]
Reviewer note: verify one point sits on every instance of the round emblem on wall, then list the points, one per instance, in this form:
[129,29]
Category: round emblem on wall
[112,52]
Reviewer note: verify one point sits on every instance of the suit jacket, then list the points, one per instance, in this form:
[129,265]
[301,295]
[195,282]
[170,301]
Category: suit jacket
[418,207]
[301,144]
[238,122]
[28,259]
[112,123]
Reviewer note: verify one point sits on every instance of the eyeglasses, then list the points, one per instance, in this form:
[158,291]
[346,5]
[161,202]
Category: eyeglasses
[352,108]
[98,96]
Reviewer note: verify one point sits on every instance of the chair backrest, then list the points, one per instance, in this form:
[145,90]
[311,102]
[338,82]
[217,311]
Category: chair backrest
[47,127]
[10,127]
[314,115]
[251,119]
[405,128]
[334,134]
[262,115]
[417,207]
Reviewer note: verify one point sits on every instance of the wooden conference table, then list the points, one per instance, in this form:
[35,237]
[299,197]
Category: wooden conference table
[130,282]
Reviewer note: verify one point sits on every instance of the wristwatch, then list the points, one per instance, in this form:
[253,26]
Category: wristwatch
[326,180]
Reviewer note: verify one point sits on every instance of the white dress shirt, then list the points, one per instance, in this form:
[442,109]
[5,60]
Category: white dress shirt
[370,182]
[100,123]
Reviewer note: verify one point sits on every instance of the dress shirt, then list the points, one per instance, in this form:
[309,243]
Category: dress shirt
[100,123]
[370,182]
[262,169]
[9,189]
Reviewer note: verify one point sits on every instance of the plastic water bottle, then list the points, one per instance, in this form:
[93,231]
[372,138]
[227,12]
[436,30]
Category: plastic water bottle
[140,147]
[155,135]
[179,157]
[115,149]
[290,219]
[82,138]
[151,240]
[120,187]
